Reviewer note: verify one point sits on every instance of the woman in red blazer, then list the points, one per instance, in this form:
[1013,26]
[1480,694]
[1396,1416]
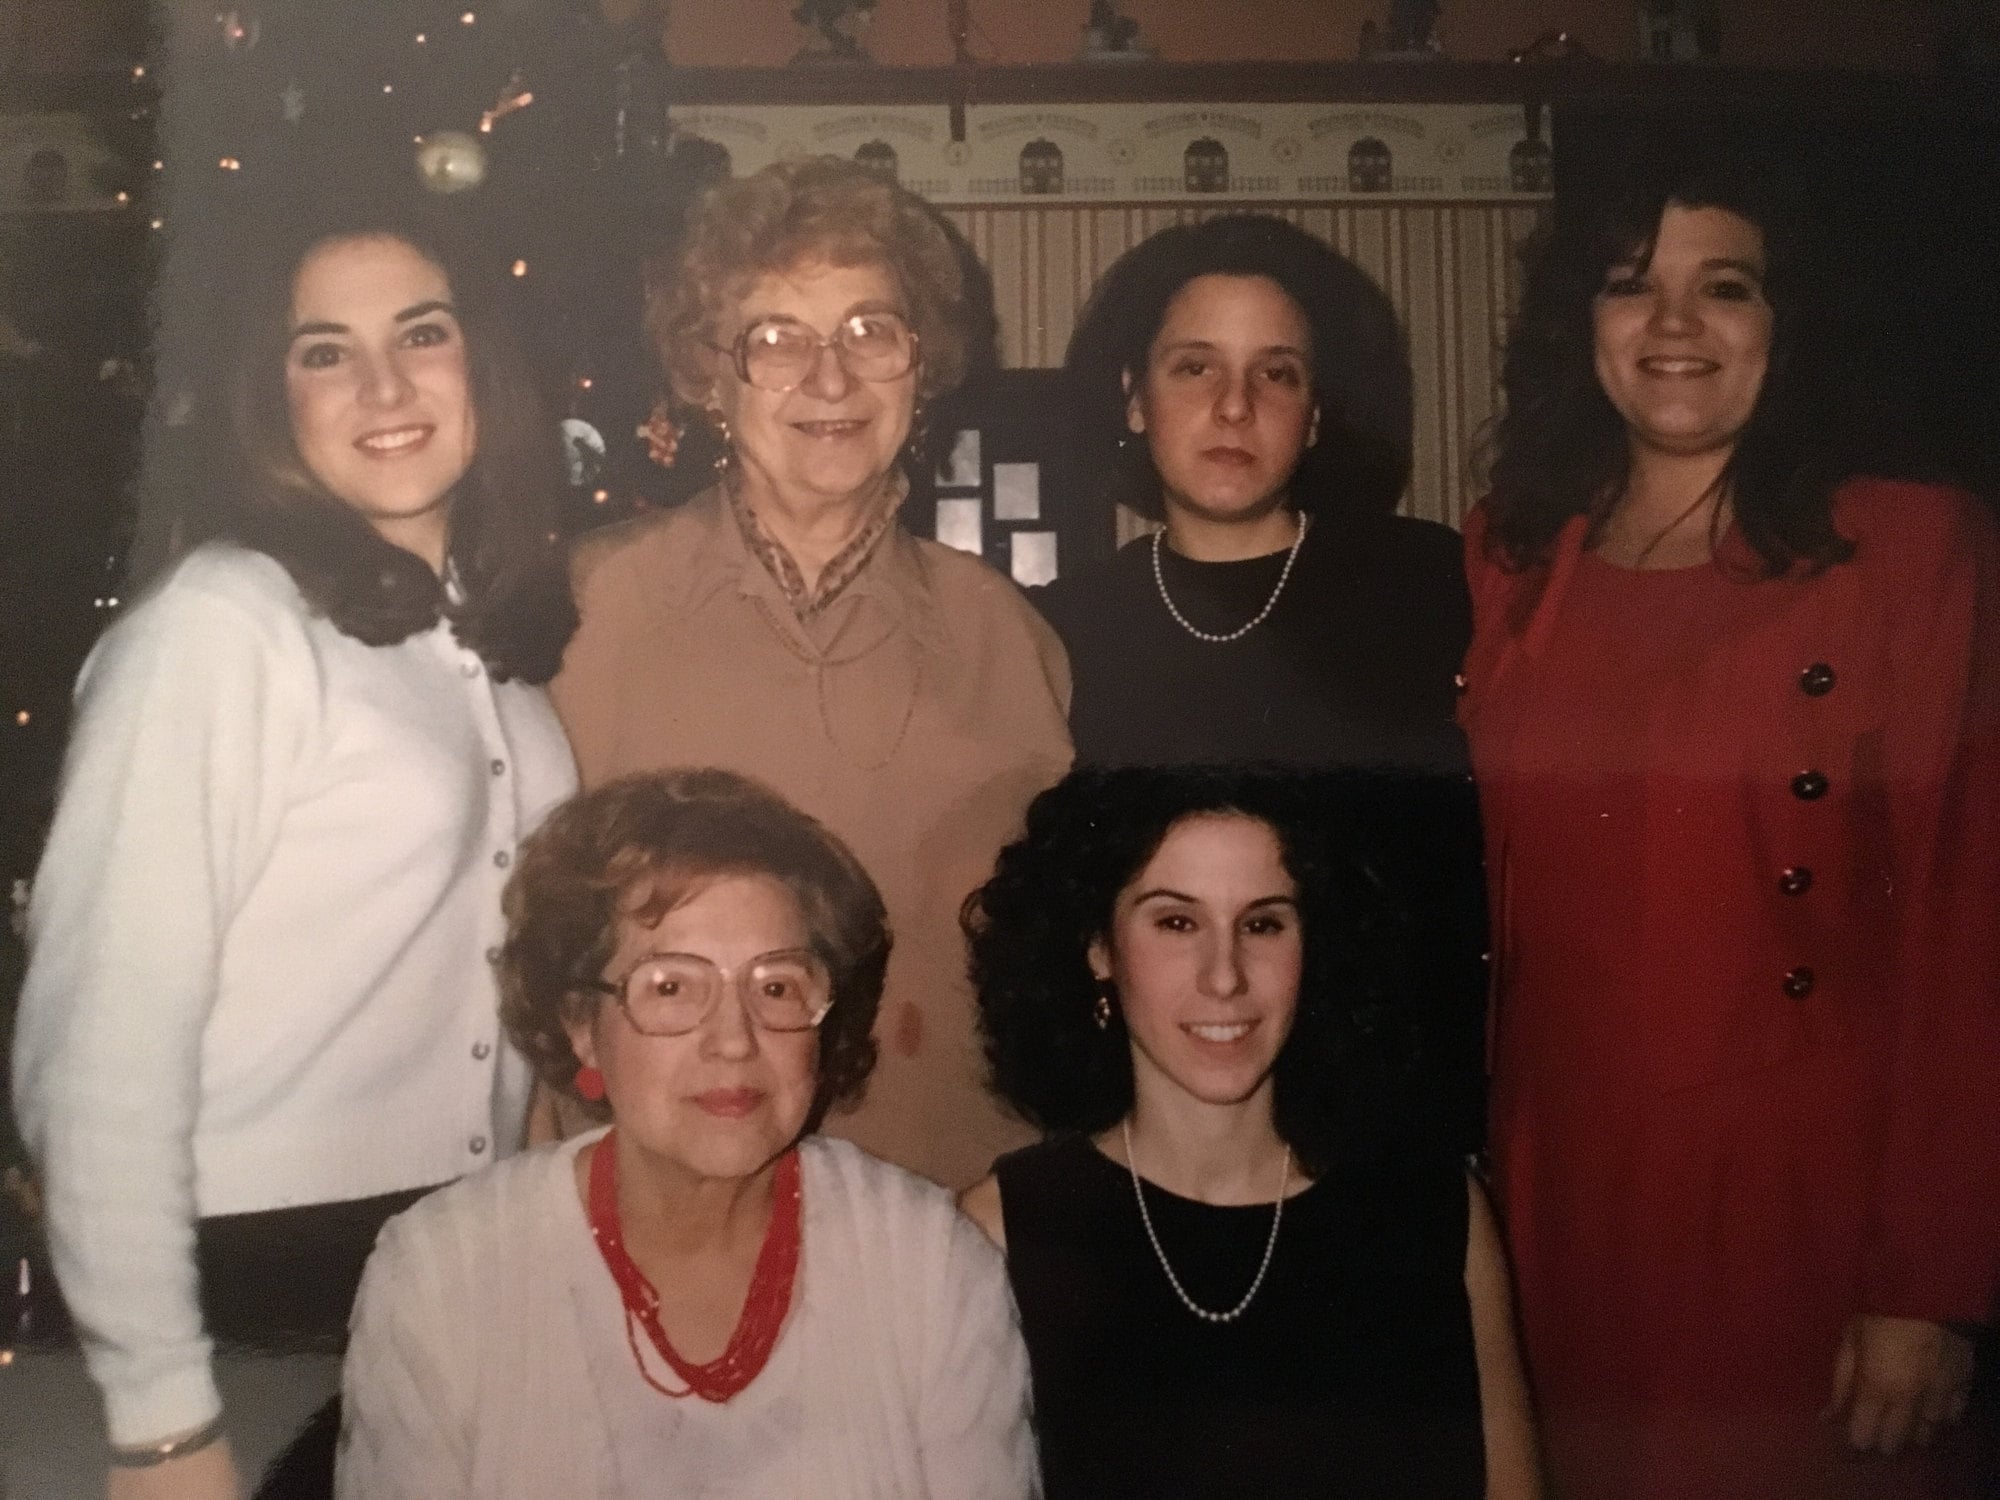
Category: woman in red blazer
[1734,726]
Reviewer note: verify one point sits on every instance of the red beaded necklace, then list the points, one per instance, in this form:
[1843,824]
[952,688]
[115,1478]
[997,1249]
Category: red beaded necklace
[764,1309]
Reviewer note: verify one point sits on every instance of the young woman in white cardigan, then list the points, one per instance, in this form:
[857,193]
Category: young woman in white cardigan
[260,1015]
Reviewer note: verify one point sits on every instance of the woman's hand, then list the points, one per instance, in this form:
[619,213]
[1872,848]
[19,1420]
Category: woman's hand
[205,1474]
[1898,1380]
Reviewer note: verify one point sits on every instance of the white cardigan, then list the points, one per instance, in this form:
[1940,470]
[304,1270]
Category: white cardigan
[259,942]
[489,1359]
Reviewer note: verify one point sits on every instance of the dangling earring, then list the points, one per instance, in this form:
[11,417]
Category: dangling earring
[590,1083]
[1101,1012]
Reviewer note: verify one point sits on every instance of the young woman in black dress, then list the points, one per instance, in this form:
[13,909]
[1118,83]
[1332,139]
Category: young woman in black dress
[1240,1270]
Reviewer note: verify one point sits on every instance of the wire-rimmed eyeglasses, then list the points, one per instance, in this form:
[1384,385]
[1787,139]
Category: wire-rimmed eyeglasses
[672,994]
[780,354]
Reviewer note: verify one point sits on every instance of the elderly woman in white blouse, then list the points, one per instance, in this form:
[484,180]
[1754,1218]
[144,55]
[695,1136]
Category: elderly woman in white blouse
[706,1297]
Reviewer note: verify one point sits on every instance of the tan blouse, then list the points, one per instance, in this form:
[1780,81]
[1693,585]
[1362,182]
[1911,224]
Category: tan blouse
[915,716]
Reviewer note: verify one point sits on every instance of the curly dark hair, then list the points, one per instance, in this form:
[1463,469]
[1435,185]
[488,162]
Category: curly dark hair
[639,846]
[1560,449]
[1360,359]
[508,563]
[1348,1076]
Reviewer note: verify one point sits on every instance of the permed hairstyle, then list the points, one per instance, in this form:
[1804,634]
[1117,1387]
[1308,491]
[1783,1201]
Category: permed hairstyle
[1344,1078]
[792,213]
[514,606]
[1560,449]
[1361,367]
[636,848]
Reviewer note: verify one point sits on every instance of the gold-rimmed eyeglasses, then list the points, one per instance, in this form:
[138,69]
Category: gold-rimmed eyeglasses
[672,994]
[780,354]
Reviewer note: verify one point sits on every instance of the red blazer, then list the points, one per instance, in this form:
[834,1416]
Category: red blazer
[1839,884]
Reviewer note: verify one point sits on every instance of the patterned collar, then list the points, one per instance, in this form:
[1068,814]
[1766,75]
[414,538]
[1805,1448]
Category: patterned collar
[841,569]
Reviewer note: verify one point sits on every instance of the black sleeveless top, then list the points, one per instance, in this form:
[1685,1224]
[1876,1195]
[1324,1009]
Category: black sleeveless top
[1350,1374]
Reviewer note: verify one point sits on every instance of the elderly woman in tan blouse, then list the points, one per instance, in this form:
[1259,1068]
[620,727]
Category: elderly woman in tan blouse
[784,624]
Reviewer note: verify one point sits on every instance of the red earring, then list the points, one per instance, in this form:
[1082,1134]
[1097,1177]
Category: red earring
[590,1083]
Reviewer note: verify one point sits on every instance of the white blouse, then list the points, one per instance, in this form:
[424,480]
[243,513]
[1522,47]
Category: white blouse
[259,944]
[490,1356]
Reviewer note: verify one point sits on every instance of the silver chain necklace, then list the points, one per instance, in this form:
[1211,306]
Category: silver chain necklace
[1270,1245]
[1160,581]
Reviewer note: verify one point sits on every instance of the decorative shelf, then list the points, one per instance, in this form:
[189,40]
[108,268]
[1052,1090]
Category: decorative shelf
[1624,84]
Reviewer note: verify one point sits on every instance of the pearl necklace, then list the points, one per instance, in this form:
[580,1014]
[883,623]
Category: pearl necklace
[1160,582]
[1207,1315]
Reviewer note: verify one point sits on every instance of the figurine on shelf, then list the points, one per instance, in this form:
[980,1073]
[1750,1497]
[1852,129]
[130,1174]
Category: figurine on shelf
[1111,37]
[1413,29]
[1679,30]
[837,27]
[1553,46]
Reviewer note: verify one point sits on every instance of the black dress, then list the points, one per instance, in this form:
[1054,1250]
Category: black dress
[1351,679]
[1350,1374]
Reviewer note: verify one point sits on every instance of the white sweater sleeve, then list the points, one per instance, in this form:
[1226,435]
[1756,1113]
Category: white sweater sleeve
[191,716]
[978,1443]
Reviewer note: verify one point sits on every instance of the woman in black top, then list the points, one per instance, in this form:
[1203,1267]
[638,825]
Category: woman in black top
[1283,615]
[1254,383]
[1238,1272]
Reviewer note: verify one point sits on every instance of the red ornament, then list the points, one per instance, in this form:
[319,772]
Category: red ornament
[764,1309]
[590,1083]
[662,434]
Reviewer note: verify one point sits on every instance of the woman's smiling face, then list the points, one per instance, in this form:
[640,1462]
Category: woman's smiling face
[1205,953]
[378,388]
[833,435]
[1683,344]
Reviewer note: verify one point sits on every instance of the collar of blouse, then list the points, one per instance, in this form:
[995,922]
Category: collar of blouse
[892,584]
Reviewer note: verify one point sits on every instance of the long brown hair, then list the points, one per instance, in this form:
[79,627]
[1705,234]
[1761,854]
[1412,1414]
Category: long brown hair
[510,600]
[1560,449]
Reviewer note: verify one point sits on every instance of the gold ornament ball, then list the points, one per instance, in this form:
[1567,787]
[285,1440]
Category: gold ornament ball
[451,161]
